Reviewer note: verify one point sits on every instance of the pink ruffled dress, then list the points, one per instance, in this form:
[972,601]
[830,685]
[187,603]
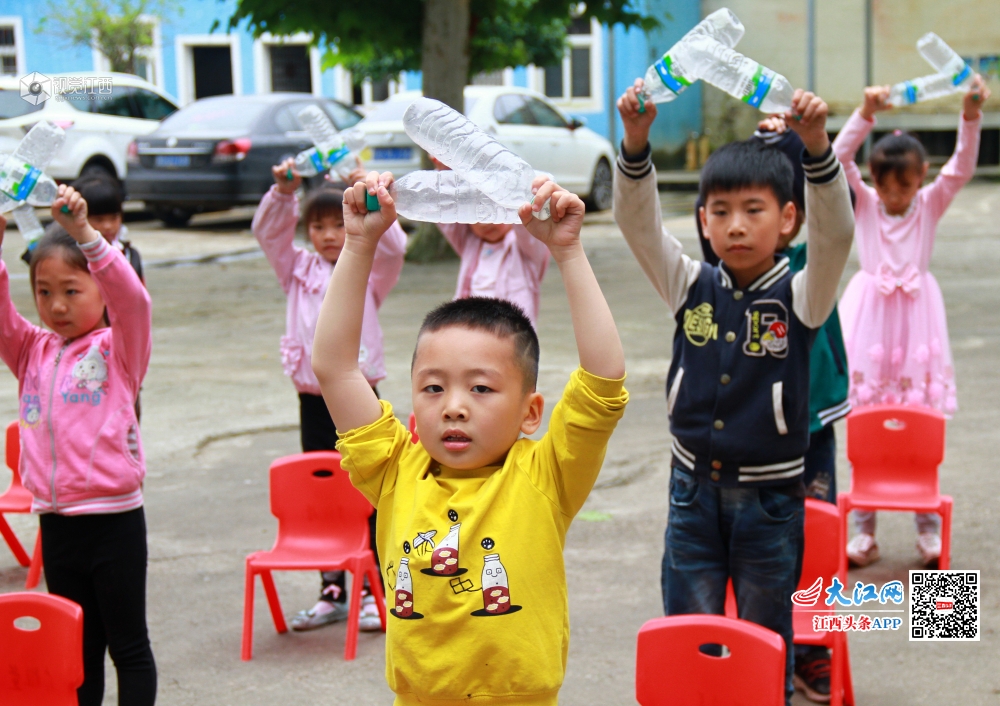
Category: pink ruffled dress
[892,311]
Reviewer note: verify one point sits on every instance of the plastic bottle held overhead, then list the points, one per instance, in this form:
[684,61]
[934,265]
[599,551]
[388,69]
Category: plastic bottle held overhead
[739,76]
[21,177]
[922,89]
[28,225]
[945,60]
[331,151]
[667,78]
[478,158]
[445,197]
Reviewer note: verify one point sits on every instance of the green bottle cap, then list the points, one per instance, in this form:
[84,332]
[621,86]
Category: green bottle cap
[642,105]
[64,209]
[289,174]
[371,202]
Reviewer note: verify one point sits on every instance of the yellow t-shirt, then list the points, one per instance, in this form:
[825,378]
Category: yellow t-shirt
[472,560]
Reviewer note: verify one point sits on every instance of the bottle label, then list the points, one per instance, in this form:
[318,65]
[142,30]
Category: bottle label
[337,155]
[909,92]
[665,68]
[17,179]
[757,86]
[316,160]
[961,76]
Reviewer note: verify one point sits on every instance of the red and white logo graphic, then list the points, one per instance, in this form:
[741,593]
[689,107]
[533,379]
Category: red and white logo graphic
[809,596]
[944,606]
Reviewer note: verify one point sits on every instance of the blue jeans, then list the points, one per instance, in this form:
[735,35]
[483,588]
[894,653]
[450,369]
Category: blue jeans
[820,475]
[752,535]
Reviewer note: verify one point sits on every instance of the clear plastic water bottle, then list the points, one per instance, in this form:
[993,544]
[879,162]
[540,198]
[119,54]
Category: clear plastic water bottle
[21,177]
[445,197]
[333,150]
[922,89]
[28,224]
[738,75]
[475,156]
[668,77]
[945,60]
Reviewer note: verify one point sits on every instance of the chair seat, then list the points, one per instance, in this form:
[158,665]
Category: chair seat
[15,500]
[896,501]
[302,559]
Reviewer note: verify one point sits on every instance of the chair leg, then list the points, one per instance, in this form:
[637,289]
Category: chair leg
[375,584]
[945,560]
[35,571]
[247,652]
[848,680]
[837,672]
[354,611]
[13,543]
[273,602]
[844,508]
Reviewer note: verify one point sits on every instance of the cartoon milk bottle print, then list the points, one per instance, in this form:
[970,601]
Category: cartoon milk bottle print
[404,590]
[444,560]
[496,591]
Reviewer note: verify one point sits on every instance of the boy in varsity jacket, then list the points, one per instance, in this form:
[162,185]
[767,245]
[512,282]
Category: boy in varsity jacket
[738,386]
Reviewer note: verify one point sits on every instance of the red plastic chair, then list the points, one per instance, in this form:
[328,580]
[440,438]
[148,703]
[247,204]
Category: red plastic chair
[41,664]
[18,500]
[413,428]
[670,670]
[821,560]
[322,525]
[895,452]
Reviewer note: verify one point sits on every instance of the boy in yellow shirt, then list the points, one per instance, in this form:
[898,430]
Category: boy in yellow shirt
[472,518]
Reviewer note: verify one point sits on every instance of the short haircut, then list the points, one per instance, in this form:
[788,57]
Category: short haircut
[898,152]
[748,164]
[496,316]
[322,202]
[102,194]
[56,241]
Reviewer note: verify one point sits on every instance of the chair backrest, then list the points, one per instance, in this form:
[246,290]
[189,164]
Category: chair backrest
[894,449]
[821,557]
[413,428]
[41,649]
[316,505]
[670,669]
[13,444]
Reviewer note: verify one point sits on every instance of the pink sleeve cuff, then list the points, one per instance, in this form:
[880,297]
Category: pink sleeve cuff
[95,249]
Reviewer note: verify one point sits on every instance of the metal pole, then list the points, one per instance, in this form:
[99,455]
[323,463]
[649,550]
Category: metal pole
[811,45]
[869,69]
[612,96]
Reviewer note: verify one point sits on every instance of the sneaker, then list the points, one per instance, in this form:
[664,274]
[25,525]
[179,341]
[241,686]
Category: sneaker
[370,620]
[321,614]
[862,550]
[812,678]
[929,546]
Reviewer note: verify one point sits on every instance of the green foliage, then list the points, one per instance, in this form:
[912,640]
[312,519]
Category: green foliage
[113,27]
[384,38]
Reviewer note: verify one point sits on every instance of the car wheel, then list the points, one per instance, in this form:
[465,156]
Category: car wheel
[600,189]
[174,217]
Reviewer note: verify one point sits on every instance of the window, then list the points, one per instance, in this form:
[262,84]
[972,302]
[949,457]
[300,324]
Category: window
[13,106]
[576,78]
[514,109]
[544,114]
[11,47]
[119,104]
[286,119]
[290,70]
[342,116]
[152,106]
[148,59]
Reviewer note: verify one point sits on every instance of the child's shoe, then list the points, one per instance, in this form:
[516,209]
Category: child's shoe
[862,550]
[812,676]
[929,546]
[370,621]
[321,614]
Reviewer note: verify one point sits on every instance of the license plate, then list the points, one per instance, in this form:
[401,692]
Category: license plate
[393,154]
[173,161]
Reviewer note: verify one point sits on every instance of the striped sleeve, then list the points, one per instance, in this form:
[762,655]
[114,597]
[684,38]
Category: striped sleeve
[95,249]
[635,166]
[822,169]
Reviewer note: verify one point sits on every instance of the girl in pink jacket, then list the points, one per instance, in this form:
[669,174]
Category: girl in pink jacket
[304,276]
[892,311]
[81,453]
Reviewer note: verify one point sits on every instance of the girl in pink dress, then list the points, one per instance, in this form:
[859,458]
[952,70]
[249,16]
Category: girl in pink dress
[892,312]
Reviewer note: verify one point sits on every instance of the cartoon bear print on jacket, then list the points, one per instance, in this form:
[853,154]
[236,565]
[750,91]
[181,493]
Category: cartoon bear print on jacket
[88,379]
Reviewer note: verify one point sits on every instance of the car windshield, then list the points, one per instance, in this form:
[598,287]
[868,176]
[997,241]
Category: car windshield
[13,106]
[214,116]
[393,110]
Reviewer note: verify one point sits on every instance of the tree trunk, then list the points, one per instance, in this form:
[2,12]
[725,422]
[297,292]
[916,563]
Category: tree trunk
[444,64]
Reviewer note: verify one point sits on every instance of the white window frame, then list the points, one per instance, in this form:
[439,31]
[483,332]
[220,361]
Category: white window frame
[262,61]
[153,55]
[507,78]
[595,42]
[17,23]
[184,58]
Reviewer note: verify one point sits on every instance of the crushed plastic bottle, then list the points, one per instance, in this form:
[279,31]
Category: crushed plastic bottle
[332,150]
[476,157]
[28,225]
[945,60]
[668,77]
[738,75]
[445,197]
[21,177]
[922,89]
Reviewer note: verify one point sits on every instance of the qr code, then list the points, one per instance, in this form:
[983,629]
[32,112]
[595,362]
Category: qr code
[944,605]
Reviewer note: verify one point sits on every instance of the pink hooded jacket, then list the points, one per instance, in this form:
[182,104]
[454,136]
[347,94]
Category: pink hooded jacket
[80,446]
[304,277]
[511,269]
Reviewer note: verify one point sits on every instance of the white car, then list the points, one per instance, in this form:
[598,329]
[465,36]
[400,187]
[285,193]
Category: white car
[99,125]
[524,121]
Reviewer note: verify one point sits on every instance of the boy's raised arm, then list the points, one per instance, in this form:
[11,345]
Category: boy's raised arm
[349,397]
[597,338]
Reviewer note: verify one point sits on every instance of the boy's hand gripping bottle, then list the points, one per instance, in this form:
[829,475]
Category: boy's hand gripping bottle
[22,183]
